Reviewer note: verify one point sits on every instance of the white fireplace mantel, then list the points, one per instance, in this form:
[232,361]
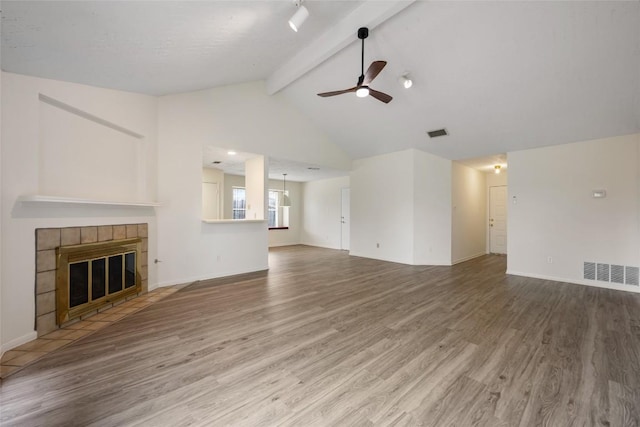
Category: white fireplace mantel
[41,199]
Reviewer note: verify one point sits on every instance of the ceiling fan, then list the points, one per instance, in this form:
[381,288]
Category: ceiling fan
[362,89]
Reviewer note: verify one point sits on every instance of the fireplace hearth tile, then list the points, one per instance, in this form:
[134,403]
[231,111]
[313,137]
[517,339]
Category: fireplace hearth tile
[78,333]
[88,235]
[47,238]
[27,357]
[6,370]
[45,260]
[12,354]
[94,326]
[70,236]
[45,282]
[59,334]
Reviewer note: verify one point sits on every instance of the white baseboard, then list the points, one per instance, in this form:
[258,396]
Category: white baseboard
[204,277]
[470,257]
[18,342]
[315,245]
[592,283]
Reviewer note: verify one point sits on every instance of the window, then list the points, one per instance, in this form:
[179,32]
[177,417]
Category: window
[239,203]
[278,215]
[273,208]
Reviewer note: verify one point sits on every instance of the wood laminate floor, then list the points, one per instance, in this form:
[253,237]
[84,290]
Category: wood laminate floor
[328,339]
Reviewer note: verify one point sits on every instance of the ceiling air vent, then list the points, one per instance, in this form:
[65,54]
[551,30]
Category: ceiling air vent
[216,162]
[438,132]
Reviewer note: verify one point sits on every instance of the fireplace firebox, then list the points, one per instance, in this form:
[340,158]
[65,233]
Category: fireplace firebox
[88,276]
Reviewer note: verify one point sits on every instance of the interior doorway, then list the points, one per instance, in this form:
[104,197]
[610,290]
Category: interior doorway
[498,219]
[345,219]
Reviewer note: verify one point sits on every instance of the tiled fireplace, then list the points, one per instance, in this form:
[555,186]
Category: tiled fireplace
[105,264]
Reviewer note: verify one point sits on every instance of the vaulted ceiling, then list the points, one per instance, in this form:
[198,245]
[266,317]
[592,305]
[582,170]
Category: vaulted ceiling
[499,76]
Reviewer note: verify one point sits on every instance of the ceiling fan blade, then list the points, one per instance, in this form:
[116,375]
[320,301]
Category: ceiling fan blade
[380,96]
[337,92]
[373,71]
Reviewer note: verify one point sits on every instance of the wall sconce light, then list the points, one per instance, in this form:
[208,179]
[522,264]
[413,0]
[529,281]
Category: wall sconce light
[497,169]
[299,17]
[406,81]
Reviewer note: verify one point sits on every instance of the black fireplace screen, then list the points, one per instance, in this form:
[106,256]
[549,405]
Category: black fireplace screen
[94,279]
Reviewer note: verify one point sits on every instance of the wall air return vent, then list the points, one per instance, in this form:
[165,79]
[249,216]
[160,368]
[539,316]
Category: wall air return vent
[438,132]
[614,273]
[631,274]
[617,274]
[603,272]
[590,270]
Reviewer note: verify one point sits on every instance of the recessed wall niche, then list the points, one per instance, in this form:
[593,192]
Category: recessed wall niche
[85,156]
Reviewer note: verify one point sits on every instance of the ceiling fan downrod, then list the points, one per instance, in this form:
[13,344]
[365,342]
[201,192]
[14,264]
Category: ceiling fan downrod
[363,33]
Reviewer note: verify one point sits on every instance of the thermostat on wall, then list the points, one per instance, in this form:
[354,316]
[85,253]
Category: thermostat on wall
[599,194]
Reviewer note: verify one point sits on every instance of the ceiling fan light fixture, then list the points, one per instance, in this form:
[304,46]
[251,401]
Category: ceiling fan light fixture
[299,17]
[362,92]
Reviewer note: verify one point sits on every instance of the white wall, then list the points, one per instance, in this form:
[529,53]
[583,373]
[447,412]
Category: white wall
[241,117]
[255,183]
[556,215]
[1,210]
[322,209]
[497,179]
[402,201]
[468,214]
[382,204]
[291,236]
[26,153]
[432,217]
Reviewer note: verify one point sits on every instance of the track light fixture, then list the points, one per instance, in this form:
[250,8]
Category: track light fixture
[299,17]
[406,81]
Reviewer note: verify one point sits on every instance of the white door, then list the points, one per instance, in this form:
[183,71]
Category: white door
[498,220]
[210,200]
[345,219]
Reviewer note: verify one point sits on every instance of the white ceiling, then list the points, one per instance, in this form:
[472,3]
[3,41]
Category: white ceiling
[500,76]
[156,47]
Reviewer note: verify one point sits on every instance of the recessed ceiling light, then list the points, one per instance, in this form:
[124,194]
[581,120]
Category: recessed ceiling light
[231,153]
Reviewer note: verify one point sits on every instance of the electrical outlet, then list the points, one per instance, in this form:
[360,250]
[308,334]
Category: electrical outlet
[549,260]
[377,245]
